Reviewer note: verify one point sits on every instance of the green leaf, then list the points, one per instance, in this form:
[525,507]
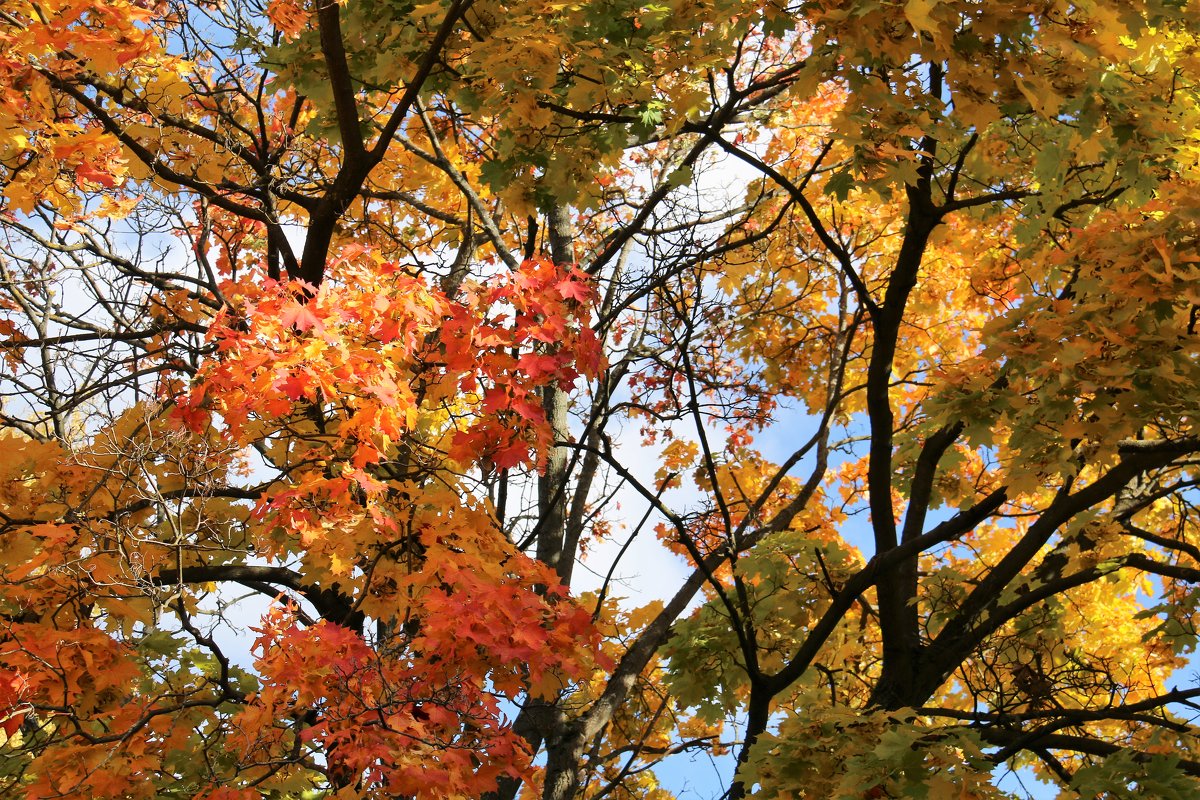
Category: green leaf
[679,177]
[840,184]
[160,643]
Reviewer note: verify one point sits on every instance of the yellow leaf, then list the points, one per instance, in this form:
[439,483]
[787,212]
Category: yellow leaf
[919,14]
[1040,95]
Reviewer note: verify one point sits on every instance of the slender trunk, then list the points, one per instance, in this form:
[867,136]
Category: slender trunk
[541,721]
[758,715]
[552,488]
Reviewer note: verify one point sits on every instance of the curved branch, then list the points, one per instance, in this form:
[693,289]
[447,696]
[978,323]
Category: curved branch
[331,604]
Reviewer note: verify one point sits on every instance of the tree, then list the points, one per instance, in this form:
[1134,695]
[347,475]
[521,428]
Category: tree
[335,322]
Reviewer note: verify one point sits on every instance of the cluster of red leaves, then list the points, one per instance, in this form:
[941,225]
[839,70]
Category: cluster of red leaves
[12,691]
[419,722]
[389,354]
[87,671]
[380,721]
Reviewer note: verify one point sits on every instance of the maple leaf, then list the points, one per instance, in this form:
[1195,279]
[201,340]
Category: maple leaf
[528,408]
[537,365]
[919,13]
[295,385]
[511,454]
[302,317]
[573,289]
[92,174]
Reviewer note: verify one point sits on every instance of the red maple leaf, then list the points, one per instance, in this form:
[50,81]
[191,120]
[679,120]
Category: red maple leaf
[89,172]
[571,289]
[511,455]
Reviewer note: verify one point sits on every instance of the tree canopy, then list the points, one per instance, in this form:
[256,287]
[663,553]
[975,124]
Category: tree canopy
[340,338]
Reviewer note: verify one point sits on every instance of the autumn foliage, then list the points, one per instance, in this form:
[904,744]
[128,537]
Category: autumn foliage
[477,399]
